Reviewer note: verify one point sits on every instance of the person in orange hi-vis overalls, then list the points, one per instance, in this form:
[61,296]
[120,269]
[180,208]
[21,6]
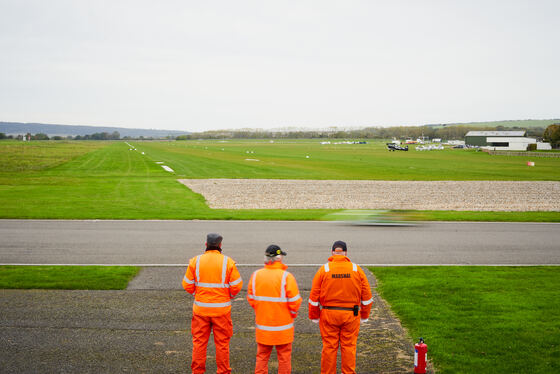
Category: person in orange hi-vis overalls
[214,280]
[340,300]
[273,293]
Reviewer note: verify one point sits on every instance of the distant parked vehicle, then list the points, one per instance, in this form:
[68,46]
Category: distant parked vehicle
[459,146]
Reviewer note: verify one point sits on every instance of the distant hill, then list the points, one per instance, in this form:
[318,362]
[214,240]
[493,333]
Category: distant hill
[524,123]
[16,128]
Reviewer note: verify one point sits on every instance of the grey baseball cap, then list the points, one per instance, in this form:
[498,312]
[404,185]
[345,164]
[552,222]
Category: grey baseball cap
[213,239]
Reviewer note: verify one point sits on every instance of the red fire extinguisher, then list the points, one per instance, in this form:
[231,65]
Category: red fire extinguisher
[420,357]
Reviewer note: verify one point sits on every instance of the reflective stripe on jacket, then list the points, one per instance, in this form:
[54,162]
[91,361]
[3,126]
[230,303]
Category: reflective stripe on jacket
[340,283]
[214,280]
[274,294]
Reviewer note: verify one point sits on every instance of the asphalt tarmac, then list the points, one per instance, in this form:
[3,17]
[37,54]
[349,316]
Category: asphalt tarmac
[145,329]
[174,242]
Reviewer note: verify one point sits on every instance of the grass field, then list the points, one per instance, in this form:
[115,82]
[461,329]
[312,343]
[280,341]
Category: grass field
[17,156]
[480,319]
[106,180]
[287,160]
[67,277]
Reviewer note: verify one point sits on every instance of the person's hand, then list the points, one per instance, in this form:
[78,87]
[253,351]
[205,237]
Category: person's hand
[315,320]
[363,320]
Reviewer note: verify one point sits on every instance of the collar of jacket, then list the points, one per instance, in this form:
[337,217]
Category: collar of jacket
[276,265]
[213,251]
[339,258]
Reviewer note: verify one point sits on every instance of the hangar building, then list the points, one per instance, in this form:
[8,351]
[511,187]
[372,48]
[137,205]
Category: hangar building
[502,140]
[484,138]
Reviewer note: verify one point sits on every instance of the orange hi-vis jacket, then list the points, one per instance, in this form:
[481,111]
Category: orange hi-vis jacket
[214,280]
[274,294]
[340,283]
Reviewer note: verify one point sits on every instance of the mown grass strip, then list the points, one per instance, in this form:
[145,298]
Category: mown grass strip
[17,156]
[479,319]
[66,277]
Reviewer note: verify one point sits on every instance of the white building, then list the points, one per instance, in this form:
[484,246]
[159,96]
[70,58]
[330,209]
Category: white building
[503,140]
[514,144]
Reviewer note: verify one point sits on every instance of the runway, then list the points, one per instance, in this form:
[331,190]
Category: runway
[307,243]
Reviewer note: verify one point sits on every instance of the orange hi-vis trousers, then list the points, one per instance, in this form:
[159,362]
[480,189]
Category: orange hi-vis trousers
[223,331]
[284,354]
[339,327]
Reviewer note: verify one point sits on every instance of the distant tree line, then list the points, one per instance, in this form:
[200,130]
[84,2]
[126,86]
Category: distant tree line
[99,136]
[40,136]
[550,134]
[115,135]
[28,136]
[398,132]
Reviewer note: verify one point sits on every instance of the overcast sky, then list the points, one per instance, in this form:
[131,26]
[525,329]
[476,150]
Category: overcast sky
[201,65]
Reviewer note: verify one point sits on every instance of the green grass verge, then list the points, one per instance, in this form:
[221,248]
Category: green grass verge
[479,319]
[66,277]
[106,180]
[449,215]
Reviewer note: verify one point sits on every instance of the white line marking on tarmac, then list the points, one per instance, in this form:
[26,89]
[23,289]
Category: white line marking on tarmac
[268,221]
[167,168]
[253,265]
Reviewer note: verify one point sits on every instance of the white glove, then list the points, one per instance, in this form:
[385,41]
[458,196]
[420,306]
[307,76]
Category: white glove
[315,320]
[363,320]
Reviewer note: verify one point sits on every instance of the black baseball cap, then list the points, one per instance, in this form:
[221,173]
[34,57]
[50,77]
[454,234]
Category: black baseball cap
[339,244]
[274,250]
[213,239]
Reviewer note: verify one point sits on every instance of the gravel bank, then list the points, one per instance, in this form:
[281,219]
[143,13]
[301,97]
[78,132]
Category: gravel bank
[362,194]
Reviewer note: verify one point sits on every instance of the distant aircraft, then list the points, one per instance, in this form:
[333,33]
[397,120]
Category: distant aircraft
[396,147]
